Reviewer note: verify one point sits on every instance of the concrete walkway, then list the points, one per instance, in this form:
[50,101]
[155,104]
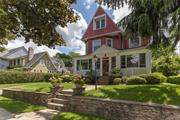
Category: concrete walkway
[46,114]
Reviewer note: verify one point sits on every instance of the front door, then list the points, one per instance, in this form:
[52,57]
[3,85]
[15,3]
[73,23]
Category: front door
[105,66]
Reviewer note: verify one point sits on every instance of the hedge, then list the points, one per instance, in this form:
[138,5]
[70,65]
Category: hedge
[174,79]
[135,80]
[24,77]
[154,78]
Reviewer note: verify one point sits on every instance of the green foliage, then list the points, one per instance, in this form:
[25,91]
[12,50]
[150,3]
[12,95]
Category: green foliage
[67,77]
[56,81]
[174,79]
[117,81]
[67,58]
[35,20]
[154,78]
[115,73]
[78,80]
[75,116]
[90,77]
[24,77]
[169,65]
[133,80]
[18,106]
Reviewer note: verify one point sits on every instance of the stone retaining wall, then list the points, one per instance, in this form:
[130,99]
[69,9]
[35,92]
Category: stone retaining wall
[122,110]
[31,97]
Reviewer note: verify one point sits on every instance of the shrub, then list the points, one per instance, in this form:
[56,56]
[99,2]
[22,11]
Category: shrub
[154,78]
[90,77]
[78,80]
[115,73]
[67,77]
[135,80]
[24,77]
[117,81]
[174,79]
[56,81]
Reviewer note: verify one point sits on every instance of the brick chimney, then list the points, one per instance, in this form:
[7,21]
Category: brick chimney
[30,53]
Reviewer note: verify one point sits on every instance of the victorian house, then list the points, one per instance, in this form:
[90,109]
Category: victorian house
[104,39]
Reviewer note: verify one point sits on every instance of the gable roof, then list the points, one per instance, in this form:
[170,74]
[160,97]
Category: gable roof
[14,53]
[111,27]
[37,57]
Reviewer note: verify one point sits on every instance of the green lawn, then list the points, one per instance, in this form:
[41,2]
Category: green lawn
[37,86]
[162,94]
[18,106]
[75,116]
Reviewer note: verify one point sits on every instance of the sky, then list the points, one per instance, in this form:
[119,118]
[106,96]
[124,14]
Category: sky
[74,31]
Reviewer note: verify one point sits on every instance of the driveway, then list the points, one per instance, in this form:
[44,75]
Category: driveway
[46,114]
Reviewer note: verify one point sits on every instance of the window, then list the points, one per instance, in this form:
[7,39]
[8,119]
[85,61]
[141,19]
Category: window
[84,64]
[18,61]
[135,42]
[96,44]
[123,61]
[99,23]
[34,70]
[98,64]
[113,62]
[78,65]
[142,60]
[132,60]
[109,42]
[135,60]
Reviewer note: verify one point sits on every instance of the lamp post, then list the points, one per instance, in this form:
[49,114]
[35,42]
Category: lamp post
[95,61]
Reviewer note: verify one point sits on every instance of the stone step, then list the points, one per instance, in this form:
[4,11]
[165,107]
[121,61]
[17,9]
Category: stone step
[64,96]
[59,101]
[67,92]
[56,106]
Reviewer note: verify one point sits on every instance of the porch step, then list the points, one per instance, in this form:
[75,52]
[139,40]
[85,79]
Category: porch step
[56,106]
[103,80]
[64,96]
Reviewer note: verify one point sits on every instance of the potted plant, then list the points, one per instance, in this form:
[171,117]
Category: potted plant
[79,83]
[56,85]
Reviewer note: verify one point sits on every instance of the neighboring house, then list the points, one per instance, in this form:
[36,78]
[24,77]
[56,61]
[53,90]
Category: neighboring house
[39,62]
[104,39]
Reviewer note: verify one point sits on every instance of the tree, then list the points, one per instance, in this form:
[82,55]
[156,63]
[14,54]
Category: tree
[151,18]
[67,58]
[35,20]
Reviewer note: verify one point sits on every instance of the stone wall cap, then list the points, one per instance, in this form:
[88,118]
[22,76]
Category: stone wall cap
[18,90]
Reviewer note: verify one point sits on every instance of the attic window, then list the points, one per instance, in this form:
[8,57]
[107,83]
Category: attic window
[99,22]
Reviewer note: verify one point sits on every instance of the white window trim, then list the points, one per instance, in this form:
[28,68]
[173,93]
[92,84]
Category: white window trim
[94,23]
[138,61]
[111,42]
[93,43]
[129,42]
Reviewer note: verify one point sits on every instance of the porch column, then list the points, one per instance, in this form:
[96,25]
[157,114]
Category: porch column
[75,65]
[101,66]
[118,61]
[109,64]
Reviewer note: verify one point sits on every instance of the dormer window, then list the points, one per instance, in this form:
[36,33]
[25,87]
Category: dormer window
[99,22]
[134,42]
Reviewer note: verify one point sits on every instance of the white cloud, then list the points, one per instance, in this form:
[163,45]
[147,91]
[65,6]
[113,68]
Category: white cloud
[73,33]
[88,3]
[121,13]
[20,42]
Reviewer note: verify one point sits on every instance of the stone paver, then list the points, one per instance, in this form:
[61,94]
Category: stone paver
[5,115]
[46,114]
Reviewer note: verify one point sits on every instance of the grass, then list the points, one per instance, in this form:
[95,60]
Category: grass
[161,94]
[36,86]
[75,116]
[18,106]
